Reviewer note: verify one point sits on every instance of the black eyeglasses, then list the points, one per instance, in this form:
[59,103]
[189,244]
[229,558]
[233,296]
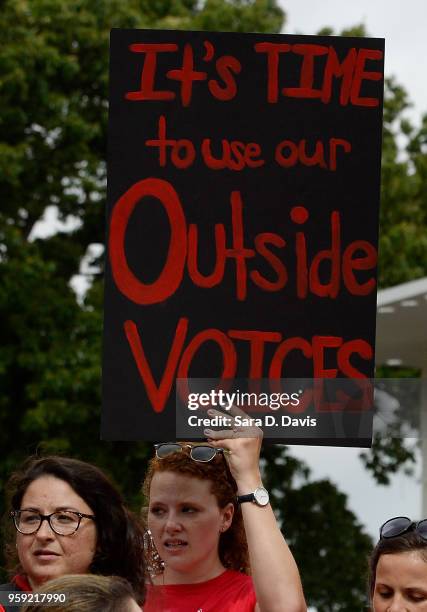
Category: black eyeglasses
[199,452]
[402,524]
[64,522]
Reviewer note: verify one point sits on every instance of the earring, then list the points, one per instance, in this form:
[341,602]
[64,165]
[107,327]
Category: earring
[155,562]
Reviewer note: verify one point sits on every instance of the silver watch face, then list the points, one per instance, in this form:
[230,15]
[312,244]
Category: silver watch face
[261,496]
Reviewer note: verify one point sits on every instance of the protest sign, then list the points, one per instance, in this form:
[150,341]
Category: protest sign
[243,194]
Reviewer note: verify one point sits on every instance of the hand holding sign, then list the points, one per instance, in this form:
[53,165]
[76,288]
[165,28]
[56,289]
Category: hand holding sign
[273,567]
[243,440]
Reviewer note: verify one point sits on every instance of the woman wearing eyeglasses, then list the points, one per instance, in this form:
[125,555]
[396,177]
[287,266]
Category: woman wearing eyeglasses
[211,526]
[68,518]
[398,567]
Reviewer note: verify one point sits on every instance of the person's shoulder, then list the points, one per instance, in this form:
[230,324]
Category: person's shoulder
[9,587]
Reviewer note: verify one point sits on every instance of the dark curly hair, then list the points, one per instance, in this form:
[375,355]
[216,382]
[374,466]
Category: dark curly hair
[120,535]
[232,548]
[407,542]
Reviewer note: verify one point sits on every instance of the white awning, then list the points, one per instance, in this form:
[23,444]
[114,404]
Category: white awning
[402,325]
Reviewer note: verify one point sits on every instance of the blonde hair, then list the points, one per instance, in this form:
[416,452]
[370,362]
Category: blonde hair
[86,593]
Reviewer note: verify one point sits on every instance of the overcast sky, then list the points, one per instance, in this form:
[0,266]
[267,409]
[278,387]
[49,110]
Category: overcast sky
[403,25]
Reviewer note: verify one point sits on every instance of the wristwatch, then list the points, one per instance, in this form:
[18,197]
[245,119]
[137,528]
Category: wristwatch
[259,497]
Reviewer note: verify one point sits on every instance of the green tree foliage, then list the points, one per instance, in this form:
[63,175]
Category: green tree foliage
[329,544]
[403,220]
[53,133]
[53,126]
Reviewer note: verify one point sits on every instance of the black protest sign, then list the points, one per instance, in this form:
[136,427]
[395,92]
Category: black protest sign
[242,221]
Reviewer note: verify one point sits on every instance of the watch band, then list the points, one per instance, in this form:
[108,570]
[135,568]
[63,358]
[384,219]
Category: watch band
[249,497]
[259,497]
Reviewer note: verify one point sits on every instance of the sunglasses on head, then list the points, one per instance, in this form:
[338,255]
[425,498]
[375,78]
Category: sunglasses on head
[402,524]
[199,452]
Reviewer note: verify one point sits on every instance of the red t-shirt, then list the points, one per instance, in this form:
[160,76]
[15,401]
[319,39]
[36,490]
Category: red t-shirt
[229,592]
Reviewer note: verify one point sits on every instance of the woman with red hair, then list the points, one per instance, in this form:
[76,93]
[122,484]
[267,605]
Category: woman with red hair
[214,540]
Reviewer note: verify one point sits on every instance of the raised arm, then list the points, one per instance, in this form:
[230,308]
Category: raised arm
[274,571]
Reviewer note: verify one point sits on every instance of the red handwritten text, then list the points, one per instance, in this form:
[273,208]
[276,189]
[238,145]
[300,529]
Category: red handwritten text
[184,246]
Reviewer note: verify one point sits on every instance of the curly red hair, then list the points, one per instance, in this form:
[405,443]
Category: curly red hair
[232,547]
